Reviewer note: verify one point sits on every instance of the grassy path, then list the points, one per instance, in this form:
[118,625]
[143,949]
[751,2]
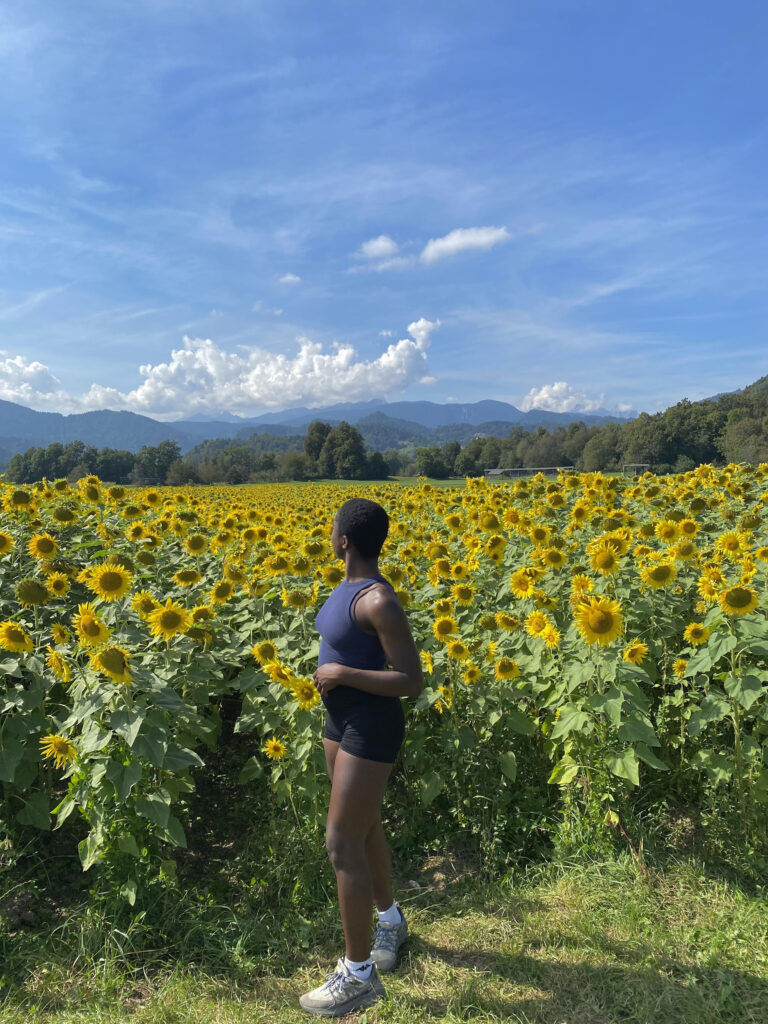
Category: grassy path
[593,945]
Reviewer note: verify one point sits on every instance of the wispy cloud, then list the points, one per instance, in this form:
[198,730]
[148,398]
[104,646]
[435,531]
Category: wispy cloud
[462,240]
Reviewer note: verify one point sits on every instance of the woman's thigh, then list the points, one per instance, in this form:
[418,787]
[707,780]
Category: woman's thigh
[357,790]
[331,748]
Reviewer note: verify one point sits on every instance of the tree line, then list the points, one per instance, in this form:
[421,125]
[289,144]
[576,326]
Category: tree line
[730,428]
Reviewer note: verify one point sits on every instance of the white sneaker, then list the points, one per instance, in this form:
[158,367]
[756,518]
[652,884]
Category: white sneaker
[342,992]
[387,940]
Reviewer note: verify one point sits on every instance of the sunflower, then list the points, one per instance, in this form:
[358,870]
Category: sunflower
[445,699]
[460,570]
[679,665]
[458,650]
[59,748]
[636,652]
[536,623]
[274,749]
[738,600]
[426,661]
[488,623]
[305,692]
[196,543]
[6,542]
[202,613]
[169,619]
[509,623]
[599,620]
[550,635]
[732,543]
[91,631]
[30,593]
[109,581]
[59,633]
[14,637]
[605,560]
[522,582]
[667,531]
[221,592]
[57,584]
[444,627]
[539,535]
[264,652]
[471,673]
[187,577]
[296,599]
[144,603]
[506,668]
[57,664]
[761,553]
[280,673]
[463,594]
[331,575]
[696,633]
[688,528]
[42,545]
[659,574]
[553,558]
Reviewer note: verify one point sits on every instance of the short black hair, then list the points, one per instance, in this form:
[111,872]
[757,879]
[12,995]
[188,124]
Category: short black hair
[366,524]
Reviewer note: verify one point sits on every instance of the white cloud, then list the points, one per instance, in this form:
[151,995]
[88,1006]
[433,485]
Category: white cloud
[428,380]
[26,382]
[377,248]
[290,279]
[386,334]
[463,240]
[559,397]
[201,377]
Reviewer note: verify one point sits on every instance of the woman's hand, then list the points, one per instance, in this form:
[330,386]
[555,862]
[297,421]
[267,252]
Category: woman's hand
[328,676]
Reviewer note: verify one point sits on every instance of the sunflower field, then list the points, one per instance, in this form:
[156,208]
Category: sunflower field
[590,644]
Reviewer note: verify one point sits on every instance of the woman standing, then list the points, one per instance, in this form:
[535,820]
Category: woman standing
[363,628]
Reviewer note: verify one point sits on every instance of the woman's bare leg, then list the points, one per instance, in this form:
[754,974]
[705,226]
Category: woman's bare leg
[376,846]
[357,790]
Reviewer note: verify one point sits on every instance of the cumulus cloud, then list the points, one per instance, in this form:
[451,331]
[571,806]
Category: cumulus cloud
[559,397]
[427,380]
[200,377]
[377,248]
[462,240]
[25,381]
[290,279]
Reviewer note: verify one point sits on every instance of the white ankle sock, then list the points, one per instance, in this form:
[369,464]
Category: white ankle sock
[390,916]
[360,968]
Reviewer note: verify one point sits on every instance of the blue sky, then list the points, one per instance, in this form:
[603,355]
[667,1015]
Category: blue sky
[252,204]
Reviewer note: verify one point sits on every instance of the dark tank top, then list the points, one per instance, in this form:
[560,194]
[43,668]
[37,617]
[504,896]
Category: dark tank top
[343,641]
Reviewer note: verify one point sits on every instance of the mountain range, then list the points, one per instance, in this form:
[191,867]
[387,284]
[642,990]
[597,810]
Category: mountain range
[418,422]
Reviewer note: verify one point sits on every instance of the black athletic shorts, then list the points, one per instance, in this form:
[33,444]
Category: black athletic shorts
[371,730]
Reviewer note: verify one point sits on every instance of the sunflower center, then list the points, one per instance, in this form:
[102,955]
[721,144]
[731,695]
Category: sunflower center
[738,597]
[113,660]
[111,581]
[600,620]
[170,619]
[660,573]
[90,627]
[605,560]
[45,546]
[14,635]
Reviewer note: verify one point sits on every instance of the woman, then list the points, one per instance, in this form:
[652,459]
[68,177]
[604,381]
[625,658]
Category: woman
[362,627]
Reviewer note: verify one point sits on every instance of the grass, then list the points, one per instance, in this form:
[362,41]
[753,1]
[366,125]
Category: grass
[593,944]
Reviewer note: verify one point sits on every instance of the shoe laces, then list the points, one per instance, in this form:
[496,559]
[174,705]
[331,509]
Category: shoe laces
[334,981]
[385,937]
